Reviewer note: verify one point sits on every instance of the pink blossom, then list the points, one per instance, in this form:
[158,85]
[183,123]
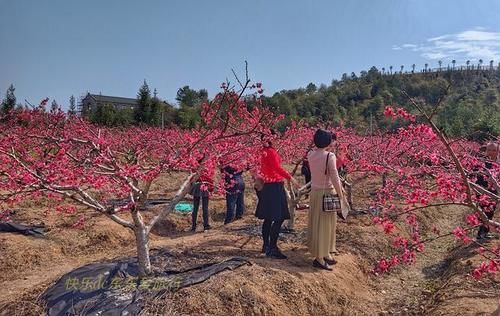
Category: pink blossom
[473,220]
[388,111]
[388,226]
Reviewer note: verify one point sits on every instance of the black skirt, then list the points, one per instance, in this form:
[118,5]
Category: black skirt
[272,204]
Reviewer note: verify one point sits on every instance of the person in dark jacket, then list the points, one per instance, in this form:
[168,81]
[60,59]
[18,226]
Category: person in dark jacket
[201,192]
[235,191]
[306,171]
[272,206]
[492,157]
[342,160]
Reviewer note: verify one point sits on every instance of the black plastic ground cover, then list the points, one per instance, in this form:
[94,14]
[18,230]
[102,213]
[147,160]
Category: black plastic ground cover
[113,288]
[9,227]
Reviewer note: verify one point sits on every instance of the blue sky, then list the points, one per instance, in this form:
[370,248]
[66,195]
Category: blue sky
[57,48]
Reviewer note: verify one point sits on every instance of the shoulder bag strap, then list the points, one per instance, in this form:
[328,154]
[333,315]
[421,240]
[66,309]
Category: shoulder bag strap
[327,158]
[326,173]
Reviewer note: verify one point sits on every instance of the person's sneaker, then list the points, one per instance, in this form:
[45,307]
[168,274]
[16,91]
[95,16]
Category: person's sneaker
[318,265]
[330,261]
[193,229]
[275,253]
[208,227]
[483,237]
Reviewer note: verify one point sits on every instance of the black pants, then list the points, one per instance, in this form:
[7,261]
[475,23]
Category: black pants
[234,202]
[270,232]
[196,206]
[485,229]
[307,178]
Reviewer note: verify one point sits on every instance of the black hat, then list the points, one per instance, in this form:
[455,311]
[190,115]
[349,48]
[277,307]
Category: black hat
[322,138]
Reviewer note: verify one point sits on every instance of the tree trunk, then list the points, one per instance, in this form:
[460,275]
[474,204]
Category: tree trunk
[142,243]
[293,201]
[181,193]
[348,191]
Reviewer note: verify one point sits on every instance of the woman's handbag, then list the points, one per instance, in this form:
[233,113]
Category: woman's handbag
[331,202]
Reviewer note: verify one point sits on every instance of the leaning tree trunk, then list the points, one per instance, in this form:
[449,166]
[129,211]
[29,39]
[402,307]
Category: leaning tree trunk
[293,201]
[348,191]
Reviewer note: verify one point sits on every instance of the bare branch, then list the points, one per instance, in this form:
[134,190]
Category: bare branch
[183,190]
[479,189]
[237,79]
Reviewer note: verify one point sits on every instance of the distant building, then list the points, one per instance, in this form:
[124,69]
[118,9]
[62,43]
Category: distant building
[91,101]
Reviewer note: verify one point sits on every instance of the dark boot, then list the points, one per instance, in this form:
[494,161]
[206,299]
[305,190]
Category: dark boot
[265,247]
[273,250]
[266,230]
[275,253]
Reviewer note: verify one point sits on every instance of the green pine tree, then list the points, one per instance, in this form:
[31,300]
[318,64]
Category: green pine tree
[54,106]
[142,113]
[72,106]
[9,103]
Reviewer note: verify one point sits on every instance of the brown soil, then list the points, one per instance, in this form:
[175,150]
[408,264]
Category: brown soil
[437,284]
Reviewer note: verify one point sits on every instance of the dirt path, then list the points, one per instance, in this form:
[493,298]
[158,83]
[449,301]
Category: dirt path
[267,287]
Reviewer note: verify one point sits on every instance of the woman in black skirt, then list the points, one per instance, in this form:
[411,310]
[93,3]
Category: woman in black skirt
[272,206]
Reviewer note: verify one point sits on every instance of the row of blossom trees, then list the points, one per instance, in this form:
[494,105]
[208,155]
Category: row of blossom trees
[70,161]
[422,169]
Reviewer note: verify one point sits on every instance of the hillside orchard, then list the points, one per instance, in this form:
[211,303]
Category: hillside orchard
[71,162]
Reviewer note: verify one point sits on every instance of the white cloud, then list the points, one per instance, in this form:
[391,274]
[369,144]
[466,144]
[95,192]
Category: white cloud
[478,36]
[434,55]
[474,44]
[438,38]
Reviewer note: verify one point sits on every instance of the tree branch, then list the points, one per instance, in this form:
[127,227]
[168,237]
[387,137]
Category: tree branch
[183,190]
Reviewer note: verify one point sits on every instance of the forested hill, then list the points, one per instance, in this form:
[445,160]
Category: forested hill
[470,99]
